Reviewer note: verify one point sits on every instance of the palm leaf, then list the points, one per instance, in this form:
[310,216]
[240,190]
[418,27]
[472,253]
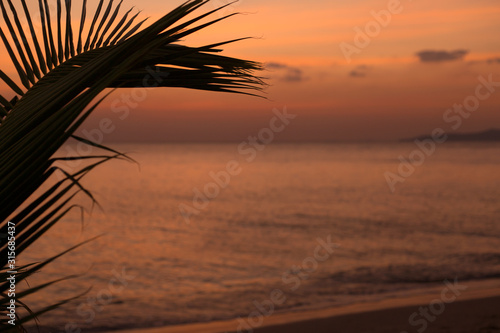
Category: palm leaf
[60,80]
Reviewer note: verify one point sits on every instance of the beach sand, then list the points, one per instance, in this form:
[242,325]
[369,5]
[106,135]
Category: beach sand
[476,309]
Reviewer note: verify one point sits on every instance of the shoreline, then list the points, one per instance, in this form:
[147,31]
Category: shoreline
[473,307]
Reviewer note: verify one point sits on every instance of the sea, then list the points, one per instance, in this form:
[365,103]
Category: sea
[201,232]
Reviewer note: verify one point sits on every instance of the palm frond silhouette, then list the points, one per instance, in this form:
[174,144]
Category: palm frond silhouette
[62,70]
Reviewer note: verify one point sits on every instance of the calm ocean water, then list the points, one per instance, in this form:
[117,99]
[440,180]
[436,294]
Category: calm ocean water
[151,268]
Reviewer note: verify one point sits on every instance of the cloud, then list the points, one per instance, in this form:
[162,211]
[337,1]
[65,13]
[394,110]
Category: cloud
[490,61]
[440,56]
[288,73]
[359,71]
[294,75]
[493,61]
[275,65]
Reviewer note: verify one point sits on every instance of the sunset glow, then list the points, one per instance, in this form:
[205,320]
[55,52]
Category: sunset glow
[384,92]
[249,166]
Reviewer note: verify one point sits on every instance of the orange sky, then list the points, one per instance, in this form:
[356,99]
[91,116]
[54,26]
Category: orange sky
[384,92]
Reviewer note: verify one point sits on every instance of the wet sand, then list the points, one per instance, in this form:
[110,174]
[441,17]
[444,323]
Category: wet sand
[472,310]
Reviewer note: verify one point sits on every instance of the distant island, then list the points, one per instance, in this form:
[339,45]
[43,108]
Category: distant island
[488,135]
